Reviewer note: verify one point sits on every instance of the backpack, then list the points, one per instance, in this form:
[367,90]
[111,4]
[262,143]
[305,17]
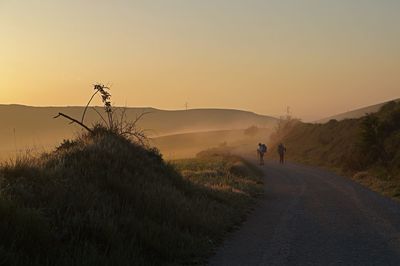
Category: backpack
[264,148]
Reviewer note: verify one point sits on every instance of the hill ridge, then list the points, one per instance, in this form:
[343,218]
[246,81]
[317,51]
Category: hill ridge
[356,113]
[134,107]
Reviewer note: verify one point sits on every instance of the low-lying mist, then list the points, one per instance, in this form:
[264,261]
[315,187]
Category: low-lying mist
[177,134]
[188,145]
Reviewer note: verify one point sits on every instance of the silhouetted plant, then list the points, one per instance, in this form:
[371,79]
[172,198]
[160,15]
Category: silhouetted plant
[113,123]
[105,96]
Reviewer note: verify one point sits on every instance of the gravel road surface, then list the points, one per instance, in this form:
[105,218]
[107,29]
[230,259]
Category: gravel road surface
[309,216]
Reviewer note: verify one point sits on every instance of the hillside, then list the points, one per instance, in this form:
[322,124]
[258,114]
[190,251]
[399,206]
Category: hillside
[367,149]
[358,113]
[36,129]
[322,144]
[101,199]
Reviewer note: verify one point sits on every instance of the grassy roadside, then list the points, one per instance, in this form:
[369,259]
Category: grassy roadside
[101,199]
[375,179]
[230,186]
[366,150]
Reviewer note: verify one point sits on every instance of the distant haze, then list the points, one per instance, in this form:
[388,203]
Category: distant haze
[318,57]
[33,128]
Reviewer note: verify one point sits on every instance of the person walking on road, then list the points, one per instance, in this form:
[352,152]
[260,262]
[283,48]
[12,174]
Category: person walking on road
[281,151]
[262,149]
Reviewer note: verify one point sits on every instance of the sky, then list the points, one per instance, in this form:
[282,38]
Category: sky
[320,57]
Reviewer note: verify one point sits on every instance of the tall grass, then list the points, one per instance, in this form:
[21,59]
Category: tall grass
[102,199]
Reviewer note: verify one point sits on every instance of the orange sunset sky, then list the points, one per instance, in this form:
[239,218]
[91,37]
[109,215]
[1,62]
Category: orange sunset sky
[319,57]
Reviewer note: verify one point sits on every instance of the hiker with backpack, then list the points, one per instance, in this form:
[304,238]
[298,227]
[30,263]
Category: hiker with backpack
[262,149]
[281,152]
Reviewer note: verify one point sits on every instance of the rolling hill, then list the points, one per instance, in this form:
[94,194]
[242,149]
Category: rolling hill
[33,128]
[358,113]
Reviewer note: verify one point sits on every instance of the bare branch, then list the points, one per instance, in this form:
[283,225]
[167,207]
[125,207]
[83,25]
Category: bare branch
[139,117]
[74,121]
[102,118]
[87,105]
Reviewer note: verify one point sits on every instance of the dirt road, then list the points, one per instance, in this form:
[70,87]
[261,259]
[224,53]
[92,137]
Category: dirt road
[313,217]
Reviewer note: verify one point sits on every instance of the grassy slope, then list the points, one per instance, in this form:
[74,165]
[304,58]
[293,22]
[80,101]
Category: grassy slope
[326,145]
[102,200]
[334,145]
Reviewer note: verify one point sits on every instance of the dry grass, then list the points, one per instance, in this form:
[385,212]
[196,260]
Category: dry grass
[102,199]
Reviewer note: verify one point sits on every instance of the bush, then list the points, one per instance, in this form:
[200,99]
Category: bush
[379,141]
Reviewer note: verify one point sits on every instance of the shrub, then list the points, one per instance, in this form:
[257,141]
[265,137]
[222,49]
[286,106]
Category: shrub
[379,140]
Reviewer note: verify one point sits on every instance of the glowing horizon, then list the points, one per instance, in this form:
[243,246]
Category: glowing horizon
[318,57]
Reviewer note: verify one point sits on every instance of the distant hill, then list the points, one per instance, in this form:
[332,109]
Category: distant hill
[25,127]
[355,113]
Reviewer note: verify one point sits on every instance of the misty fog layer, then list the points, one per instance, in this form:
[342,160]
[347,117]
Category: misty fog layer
[34,129]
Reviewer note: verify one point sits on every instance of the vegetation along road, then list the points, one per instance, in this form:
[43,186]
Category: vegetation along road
[313,217]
